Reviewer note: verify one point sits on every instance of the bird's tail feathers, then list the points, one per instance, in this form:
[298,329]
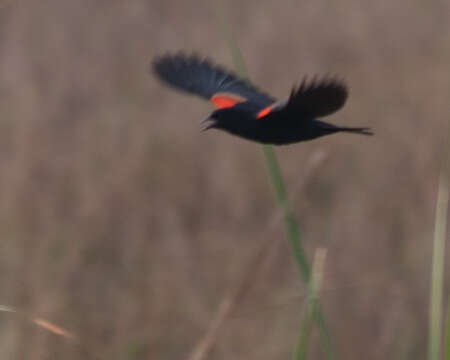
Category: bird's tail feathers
[357,130]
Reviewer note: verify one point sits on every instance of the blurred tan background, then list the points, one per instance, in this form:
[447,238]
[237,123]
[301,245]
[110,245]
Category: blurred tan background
[125,224]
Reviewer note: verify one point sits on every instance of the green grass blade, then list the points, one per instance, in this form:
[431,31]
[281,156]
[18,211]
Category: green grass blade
[447,334]
[293,230]
[238,59]
[274,172]
[437,274]
[312,304]
[305,335]
[292,227]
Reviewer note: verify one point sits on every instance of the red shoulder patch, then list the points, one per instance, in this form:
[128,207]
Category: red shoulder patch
[224,100]
[264,111]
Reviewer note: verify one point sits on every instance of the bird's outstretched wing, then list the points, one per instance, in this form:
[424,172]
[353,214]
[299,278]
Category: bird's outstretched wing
[199,76]
[313,99]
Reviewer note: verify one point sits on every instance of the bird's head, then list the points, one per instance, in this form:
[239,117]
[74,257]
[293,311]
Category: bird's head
[233,119]
[214,120]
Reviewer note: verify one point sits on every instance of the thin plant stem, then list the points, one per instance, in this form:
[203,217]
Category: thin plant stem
[447,334]
[273,169]
[311,304]
[437,272]
[274,172]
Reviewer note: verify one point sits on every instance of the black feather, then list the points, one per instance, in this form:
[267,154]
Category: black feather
[318,98]
[199,76]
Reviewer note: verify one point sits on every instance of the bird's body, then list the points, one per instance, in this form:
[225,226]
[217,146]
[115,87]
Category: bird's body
[274,128]
[245,111]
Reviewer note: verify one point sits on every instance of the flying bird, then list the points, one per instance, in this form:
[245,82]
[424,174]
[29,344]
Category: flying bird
[245,111]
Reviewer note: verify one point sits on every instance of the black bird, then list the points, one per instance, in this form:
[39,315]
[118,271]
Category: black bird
[245,111]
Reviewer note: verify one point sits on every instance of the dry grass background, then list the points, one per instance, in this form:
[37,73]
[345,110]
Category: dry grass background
[122,222]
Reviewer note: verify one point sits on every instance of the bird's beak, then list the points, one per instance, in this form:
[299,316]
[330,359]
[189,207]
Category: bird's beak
[209,117]
[213,123]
